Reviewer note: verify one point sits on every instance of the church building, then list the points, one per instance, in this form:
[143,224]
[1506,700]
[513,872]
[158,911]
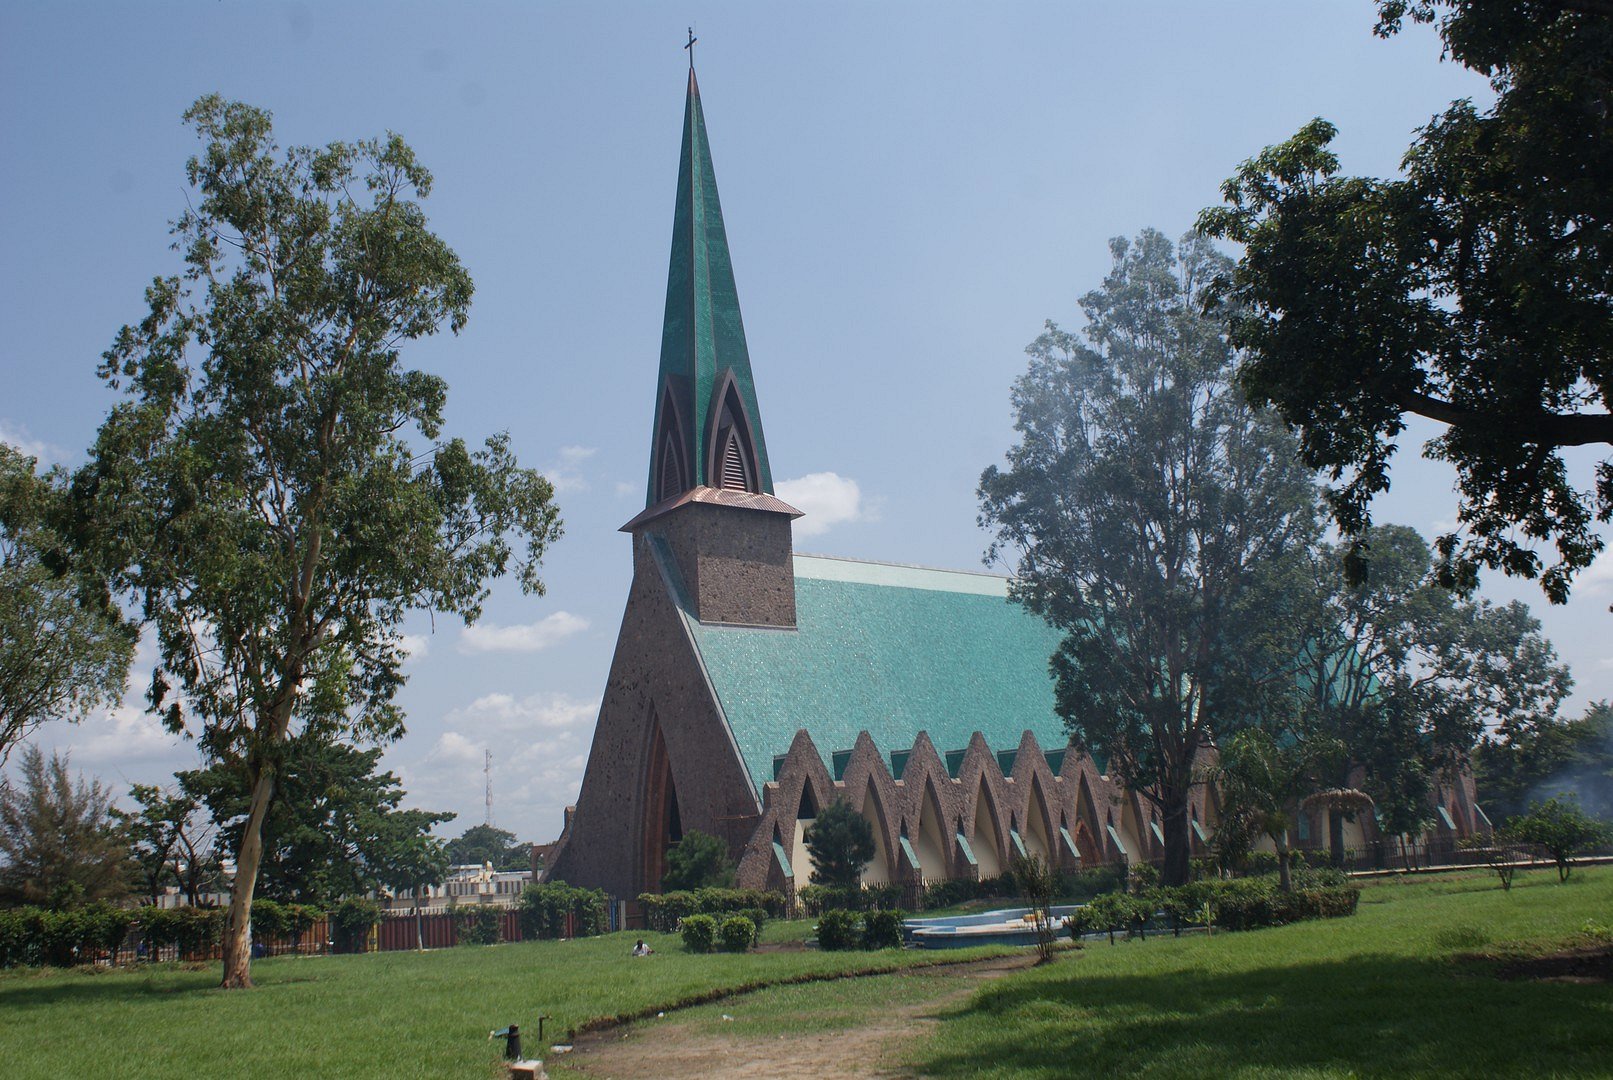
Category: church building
[752,686]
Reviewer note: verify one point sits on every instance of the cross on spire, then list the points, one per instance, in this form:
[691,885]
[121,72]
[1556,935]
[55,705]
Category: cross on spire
[690,47]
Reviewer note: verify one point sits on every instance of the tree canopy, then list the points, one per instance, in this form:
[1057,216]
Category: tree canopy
[481,844]
[274,489]
[1145,509]
[60,845]
[1475,290]
[696,861]
[64,646]
[334,828]
[840,843]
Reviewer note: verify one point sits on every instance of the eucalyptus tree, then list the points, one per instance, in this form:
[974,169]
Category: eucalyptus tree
[274,490]
[1146,508]
[65,647]
[1475,290]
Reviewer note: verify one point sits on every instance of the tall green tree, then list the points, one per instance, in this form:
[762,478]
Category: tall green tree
[1145,508]
[840,842]
[274,489]
[334,827]
[64,646]
[1476,290]
[60,845]
[481,844]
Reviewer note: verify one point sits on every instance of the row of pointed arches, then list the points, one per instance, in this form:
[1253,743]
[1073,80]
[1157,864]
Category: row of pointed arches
[962,816]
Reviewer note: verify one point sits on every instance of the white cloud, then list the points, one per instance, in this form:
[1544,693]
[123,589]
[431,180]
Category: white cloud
[565,474]
[17,436]
[540,748]
[452,748]
[624,489]
[522,637]
[414,647]
[109,739]
[825,499]
[1598,577]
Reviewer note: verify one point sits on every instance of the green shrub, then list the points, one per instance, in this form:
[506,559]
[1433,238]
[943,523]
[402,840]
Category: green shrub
[545,907]
[758,918]
[839,929]
[480,926]
[737,933]
[817,899]
[351,921]
[268,920]
[663,911]
[882,930]
[699,933]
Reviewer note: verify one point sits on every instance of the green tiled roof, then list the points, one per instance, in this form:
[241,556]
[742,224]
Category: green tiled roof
[893,650]
[702,335]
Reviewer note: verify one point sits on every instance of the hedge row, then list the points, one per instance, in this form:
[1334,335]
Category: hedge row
[818,899]
[664,911]
[840,929]
[35,937]
[1241,904]
[544,909]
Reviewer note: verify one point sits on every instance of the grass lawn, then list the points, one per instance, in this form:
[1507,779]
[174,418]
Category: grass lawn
[384,1014]
[1394,991]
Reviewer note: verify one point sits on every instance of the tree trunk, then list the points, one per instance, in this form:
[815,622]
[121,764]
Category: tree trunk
[419,925]
[1335,838]
[237,928]
[1285,880]
[1178,852]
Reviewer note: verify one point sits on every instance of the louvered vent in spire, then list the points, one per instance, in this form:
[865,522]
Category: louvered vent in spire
[734,476]
[671,480]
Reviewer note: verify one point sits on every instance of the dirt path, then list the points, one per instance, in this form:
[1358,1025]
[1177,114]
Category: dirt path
[685,1049]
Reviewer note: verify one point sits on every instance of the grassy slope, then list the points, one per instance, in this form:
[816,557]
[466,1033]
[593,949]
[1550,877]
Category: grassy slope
[388,1014]
[1388,992]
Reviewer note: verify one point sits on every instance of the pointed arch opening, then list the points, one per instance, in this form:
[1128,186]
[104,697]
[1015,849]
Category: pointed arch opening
[930,843]
[1036,835]
[731,456]
[671,469]
[878,871]
[806,812]
[662,822]
[988,855]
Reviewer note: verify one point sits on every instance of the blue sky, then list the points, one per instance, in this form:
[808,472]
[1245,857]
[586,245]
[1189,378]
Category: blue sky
[910,190]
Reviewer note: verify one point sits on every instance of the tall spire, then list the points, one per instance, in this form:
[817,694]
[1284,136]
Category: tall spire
[708,429]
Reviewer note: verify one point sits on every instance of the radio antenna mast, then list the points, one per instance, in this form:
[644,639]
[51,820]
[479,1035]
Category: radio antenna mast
[487,775]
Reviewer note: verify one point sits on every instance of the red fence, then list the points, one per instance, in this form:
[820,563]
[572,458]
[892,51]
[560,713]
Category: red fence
[439,931]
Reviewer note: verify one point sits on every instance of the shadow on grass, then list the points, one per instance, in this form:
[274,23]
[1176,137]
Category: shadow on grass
[27,991]
[1373,1015]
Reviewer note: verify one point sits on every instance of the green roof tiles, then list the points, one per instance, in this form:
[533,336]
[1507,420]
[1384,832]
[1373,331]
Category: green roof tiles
[702,334]
[893,650]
